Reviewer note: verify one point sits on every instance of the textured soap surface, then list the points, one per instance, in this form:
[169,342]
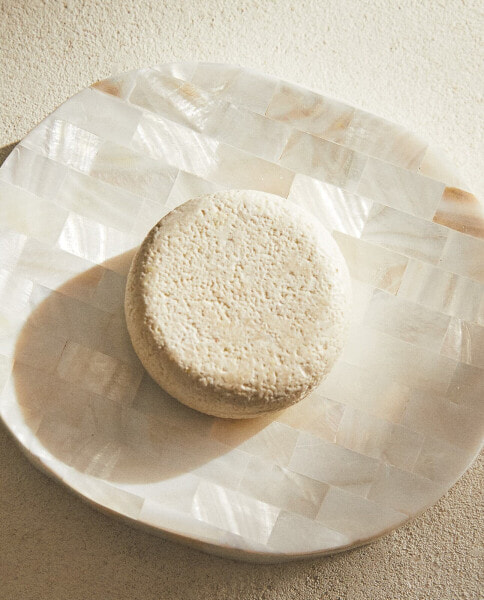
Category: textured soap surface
[237,303]
[398,419]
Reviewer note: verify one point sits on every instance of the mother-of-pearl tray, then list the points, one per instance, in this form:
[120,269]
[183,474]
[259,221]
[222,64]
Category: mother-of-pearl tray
[399,418]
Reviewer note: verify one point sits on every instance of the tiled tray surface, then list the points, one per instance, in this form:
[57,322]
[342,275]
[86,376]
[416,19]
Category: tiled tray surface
[398,420]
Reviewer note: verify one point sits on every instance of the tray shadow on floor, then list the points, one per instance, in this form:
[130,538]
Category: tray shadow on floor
[88,400]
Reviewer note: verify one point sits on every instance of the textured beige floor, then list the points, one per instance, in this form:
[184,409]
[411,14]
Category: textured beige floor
[418,63]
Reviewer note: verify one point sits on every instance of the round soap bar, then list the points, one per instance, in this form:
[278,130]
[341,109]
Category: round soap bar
[237,303]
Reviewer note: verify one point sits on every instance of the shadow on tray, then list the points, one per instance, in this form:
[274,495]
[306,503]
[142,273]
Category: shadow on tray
[89,401]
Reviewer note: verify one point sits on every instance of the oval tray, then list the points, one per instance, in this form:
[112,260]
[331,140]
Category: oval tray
[399,418]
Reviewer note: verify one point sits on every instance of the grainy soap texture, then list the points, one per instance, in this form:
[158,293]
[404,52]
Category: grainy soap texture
[237,303]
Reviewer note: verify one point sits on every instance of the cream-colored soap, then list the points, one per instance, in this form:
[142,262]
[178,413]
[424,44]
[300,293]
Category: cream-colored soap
[237,303]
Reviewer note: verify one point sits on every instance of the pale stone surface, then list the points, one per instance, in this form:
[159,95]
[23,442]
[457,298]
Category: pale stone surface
[337,209]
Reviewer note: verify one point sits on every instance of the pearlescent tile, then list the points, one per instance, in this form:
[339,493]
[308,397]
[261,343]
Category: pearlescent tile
[363,433]
[102,114]
[316,414]
[356,517]
[407,321]
[9,334]
[101,456]
[465,342]
[237,85]
[95,435]
[52,267]
[441,462]
[175,493]
[136,173]
[93,241]
[323,160]
[64,143]
[337,209]
[156,515]
[11,247]
[280,487]
[148,450]
[383,139]
[15,297]
[362,294]
[81,287]
[18,297]
[33,172]
[462,211]
[464,255]
[98,201]
[404,233]
[247,130]
[179,146]
[404,492]
[400,189]
[310,112]
[40,393]
[377,393]
[189,186]
[405,363]
[176,523]
[466,388]
[119,85]
[338,122]
[63,316]
[172,98]
[153,401]
[333,464]
[172,453]
[372,264]
[441,290]
[152,86]
[234,168]
[433,414]
[207,158]
[42,352]
[260,437]
[148,216]
[109,292]
[116,341]
[97,372]
[30,215]
[234,512]
[96,448]
[173,450]
[228,470]
[296,534]
[402,447]
[38,296]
